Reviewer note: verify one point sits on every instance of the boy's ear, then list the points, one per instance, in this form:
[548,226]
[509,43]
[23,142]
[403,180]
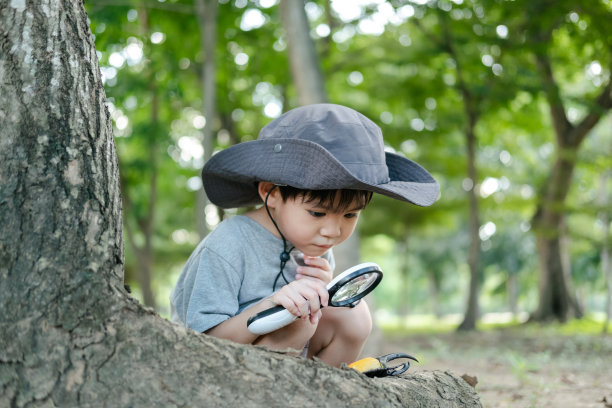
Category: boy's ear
[263,188]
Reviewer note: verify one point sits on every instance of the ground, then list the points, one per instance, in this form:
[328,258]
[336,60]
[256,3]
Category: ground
[519,367]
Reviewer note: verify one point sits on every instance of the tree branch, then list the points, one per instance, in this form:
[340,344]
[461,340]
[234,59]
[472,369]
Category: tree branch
[602,104]
[561,123]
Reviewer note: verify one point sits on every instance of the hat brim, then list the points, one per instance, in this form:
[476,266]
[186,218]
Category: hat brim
[230,177]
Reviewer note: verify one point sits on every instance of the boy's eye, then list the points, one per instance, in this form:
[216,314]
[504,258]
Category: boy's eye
[351,215]
[317,214]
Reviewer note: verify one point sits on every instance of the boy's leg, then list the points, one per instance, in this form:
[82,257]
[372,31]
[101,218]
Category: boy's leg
[294,336]
[341,334]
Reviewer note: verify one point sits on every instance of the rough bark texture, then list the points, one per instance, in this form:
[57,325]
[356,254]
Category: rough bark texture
[69,334]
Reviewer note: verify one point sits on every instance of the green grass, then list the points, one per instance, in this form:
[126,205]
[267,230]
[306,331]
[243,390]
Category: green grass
[427,324]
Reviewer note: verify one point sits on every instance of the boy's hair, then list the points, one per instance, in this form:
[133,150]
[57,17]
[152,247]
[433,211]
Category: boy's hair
[334,200]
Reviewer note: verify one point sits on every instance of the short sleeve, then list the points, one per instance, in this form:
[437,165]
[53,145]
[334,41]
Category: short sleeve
[213,297]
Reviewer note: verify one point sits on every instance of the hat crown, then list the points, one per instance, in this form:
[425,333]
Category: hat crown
[353,139]
[316,147]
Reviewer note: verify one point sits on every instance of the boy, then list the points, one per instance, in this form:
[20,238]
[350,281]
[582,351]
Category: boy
[314,169]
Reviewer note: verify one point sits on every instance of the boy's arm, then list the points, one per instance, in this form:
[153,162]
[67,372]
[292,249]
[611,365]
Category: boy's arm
[235,328]
[302,298]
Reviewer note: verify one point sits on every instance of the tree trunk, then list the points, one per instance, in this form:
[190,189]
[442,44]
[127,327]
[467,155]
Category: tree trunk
[557,300]
[471,118]
[434,294]
[606,268]
[472,310]
[207,21]
[303,59]
[512,291]
[404,270]
[471,115]
[69,334]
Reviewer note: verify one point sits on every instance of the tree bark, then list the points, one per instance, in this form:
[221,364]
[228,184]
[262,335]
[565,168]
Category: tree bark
[69,334]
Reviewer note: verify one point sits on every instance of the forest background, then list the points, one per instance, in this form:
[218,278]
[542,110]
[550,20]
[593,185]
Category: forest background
[505,102]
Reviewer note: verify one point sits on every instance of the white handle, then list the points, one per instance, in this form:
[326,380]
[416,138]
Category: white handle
[277,317]
[269,322]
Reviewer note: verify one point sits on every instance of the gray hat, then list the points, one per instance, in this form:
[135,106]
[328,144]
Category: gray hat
[316,147]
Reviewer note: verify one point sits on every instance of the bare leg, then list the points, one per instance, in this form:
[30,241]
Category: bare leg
[294,336]
[341,334]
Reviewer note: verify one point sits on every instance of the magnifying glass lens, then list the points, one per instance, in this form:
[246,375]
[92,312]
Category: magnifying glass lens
[355,286]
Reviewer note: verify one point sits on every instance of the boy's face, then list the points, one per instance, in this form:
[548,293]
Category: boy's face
[310,227]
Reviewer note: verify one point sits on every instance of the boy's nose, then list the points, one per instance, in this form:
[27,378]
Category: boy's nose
[331,229]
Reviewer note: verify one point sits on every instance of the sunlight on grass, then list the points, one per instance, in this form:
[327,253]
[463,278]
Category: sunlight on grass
[591,324]
[426,324]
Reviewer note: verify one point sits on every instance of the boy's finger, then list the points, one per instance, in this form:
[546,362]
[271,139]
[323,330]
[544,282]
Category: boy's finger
[295,301]
[315,317]
[319,263]
[316,261]
[288,303]
[312,302]
[320,294]
[311,292]
[304,271]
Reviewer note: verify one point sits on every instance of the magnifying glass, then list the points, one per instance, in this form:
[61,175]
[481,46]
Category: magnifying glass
[346,289]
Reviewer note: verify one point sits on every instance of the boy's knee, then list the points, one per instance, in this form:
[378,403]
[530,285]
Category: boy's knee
[361,322]
[353,325]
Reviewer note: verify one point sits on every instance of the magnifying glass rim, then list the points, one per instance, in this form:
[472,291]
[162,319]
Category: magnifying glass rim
[362,270]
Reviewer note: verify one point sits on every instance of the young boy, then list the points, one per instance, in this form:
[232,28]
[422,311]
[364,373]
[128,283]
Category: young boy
[314,169]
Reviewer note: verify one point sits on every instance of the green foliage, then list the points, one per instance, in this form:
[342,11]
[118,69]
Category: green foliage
[406,78]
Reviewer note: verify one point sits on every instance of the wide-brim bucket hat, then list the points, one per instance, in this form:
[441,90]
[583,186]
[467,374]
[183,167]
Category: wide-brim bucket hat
[316,147]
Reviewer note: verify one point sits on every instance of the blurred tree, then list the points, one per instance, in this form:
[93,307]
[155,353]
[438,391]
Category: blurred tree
[148,82]
[549,39]
[303,59]
[481,92]
[207,21]
[603,202]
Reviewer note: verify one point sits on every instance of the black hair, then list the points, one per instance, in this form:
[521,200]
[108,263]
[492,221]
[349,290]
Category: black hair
[334,200]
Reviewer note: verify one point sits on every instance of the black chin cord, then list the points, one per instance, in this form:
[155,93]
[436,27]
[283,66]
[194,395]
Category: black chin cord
[284,256]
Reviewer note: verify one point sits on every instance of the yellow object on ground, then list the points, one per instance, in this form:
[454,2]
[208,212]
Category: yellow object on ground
[366,364]
[377,367]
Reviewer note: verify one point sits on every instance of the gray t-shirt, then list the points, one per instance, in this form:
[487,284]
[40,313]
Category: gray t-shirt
[233,268]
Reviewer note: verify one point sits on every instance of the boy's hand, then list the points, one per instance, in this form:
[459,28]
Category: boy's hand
[317,268]
[303,298]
